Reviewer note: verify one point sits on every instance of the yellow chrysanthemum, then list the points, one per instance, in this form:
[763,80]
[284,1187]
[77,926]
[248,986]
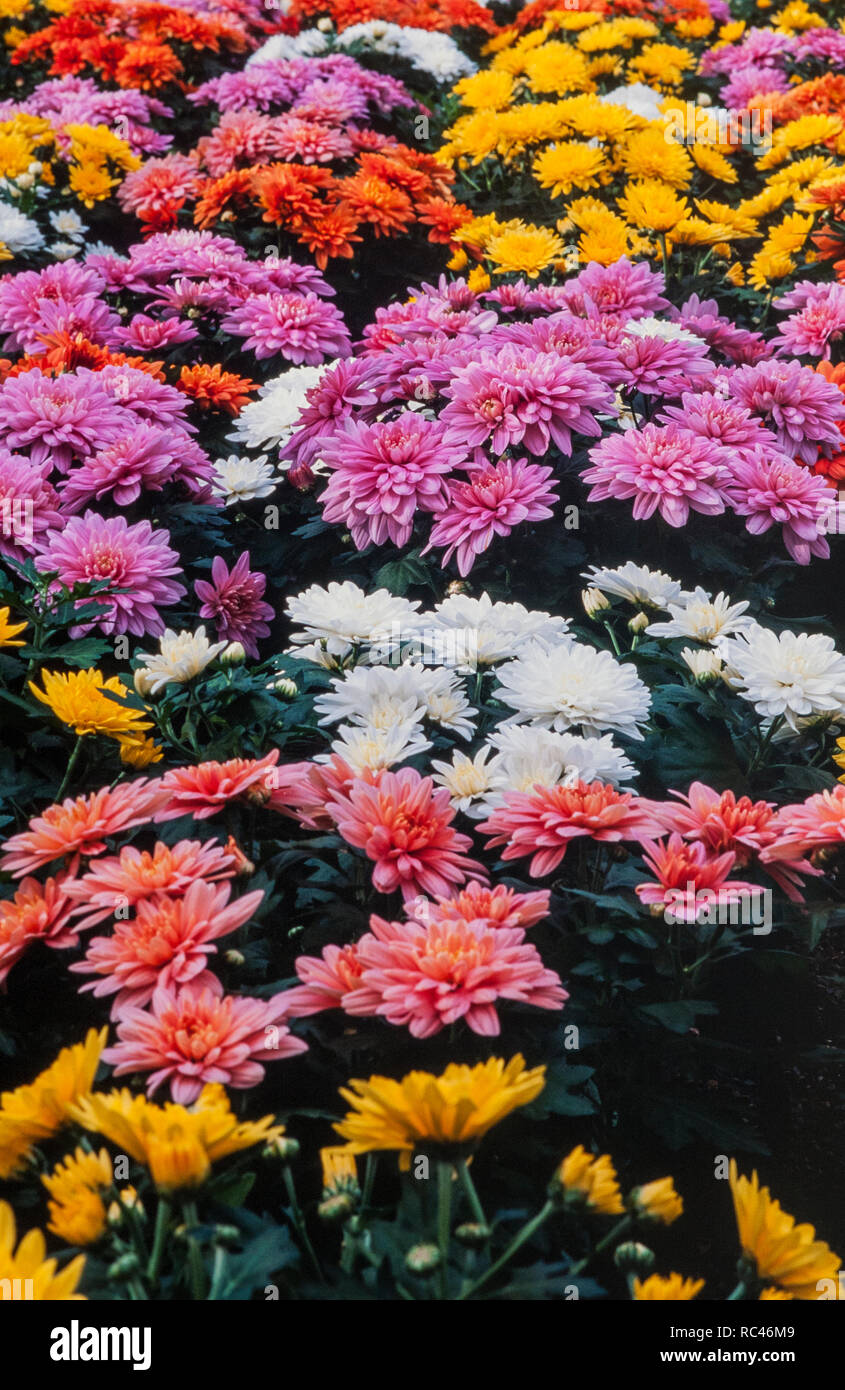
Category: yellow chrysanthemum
[605,65]
[178,1144]
[657,1201]
[9,631]
[139,750]
[557,67]
[604,240]
[736,274]
[653,205]
[591,1181]
[99,142]
[478,280]
[91,183]
[661,65]
[697,28]
[839,758]
[13,9]
[648,154]
[492,90]
[802,172]
[16,152]
[773,1295]
[32,1113]
[27,1273]
[769,266]
[668,1288]
[568,165]
[531,124]
[523,250]
[81,699]
[713,163]
[616,33]
[795,16]
[740,223]
[340,1170]
[800,134]
[454,1110]
[479,230]
[782,1253]
[77,1211]
[767,200]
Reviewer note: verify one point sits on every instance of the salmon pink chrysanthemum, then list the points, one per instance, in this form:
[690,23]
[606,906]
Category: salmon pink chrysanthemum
[81,826]
[136,874]
[203,790]
[37,912]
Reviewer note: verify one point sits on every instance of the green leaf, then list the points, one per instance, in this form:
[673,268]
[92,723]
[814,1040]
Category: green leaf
[678,1015]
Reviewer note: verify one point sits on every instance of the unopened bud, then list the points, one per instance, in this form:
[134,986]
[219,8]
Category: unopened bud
[226,1235]
[285,686]
[302,476]
[125,1266]
[325,25]
[594,601]
[282,1147]
[632,1257]
[234,957]
[337,1207]
[422,1260]
[143,682]
[232,655]
[244,867]
[639,622]
[473,1234]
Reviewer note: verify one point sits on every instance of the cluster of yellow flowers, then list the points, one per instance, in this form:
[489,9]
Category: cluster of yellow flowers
[15,13]
[615,182]
[90,704]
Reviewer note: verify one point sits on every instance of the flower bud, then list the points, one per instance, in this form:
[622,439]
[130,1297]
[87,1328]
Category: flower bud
[337,1207]
[143,682]
[639,622]
[325,25]
[282,1147]
[705,665]
[232,655]
[594,601]
[125,1266]
[226,1235]
[302,476]
[285,686]
[244,867]
[422,1260]
[234,958]
[473,1234]
[634,1258]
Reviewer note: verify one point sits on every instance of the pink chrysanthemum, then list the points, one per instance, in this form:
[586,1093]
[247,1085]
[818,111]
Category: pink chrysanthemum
[426,977]
[191,1037]
[126,879]
[81,826]
[143,334]
[233,600]
[495,500]
[204,790]
[304,790]
[347,386]
[58,419]
[28,503]
[326,981]
[812,824]
[37,912]
[664,468]
[302,327]
[623,289]
[542,822]
[405,827]
[62,298]
[702,317]
[516,396]
[769,488]
[492,907]
[796,403]
[659,366]
[688,875]
[166,945]
[818,323]
[570,337]
[719,418]
[133,559]
[382,474]
[144,459]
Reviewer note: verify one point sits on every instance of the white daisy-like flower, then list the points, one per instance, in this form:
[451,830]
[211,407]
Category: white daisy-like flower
[240,479]
[367,748]
[652,327]
[433,53]
[181,657]
[703,618]
[466,779]
[64,250]
[574,686]
[342,616]
[446,701]
[18,232]
[705,665]
[385,695]
[281,47]
[797,676]
[68,223]
[270,419]
[635,583]
[473,632]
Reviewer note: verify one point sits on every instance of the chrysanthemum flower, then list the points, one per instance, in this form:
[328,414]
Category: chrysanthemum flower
[404,826]
[37,912]
[654,205]
[494,907]
[700,616]
[29,1262]
[569,164]
[136,874]
[300,327]
[167,944]
[664,468]
[77,1210]
[81,699]
[37,1111]
[233,599]
[176,1144]
[203,790]
[212,388]
[541,823]
[657,1201]
[573,686]
[495,500]
[812,824]
[133,559]
[29,504]
[523,250]
[590,1181]
[689,878]
[624,290]
[769,488]
[780,1252]
[9,630]
[662,1288]
[326,981]
[451,1111]
[81,826]
[791,675]
[144,459]
[426,975]
[58,419]
[801,408]
[190,1037]
[181,657]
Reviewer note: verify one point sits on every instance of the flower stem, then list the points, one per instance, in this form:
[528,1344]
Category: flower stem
[162,1220]
[299,1221]
[72,761]
[738,1293]
[470,1190]
[516,1244]
[195,1260]
[444,1223]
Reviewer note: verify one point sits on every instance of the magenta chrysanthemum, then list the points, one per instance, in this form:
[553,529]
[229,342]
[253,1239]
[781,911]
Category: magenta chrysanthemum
[58,419]
[719,418]
[142,460]
[495,500]
[300,327]
[28,503]
[62,298]
[817,323]
[134,559]
[622,289]
[233,599]
[769,488]
[796,403]
[663,468]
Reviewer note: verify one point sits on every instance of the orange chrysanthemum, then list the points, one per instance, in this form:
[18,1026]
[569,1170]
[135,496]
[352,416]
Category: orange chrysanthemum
[288,192]
[214,389]
[373,200]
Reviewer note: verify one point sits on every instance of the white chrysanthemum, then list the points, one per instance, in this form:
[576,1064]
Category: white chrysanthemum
[636,583]
[270,419]
[18,232]
[281,47]
[181,656]
[366,748]
[466,779]
[705,665]
[433,53]
[652,327]
[385,695]
[703,618]
[64,250]
[574,686]
[637,97]
[797,676]
[446,701]
[68,224]
[473,632]
[342,616]
[527,756]
[239,479]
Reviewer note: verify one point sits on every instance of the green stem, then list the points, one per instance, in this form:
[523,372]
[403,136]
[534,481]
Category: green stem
[72,761]
[470,1190]
[738,1293]
[516,1244]
[162,1220]
[444,1221]
[613,1234]
[369,1178]
[299,1221]
[195,1260]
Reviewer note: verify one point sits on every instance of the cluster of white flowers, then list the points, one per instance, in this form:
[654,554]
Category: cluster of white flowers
[270,419]
[435,54]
